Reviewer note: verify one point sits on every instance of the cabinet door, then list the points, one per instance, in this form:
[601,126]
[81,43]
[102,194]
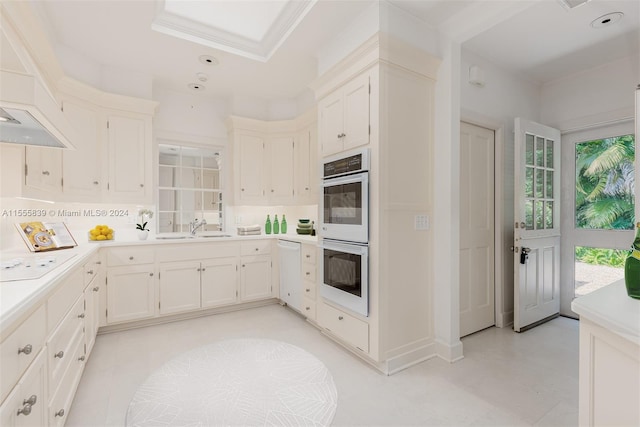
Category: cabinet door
[83,166]
[91,310]
[255,277]
[331,126]
[43,172]
[306,166]
[26,405]
[219,282]
[282,160]
[179,286]
[252,169]
[129,157]
[356,112]
[130,293]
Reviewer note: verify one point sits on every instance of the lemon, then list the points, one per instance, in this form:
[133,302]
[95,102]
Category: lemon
[92,237]
[109,236]
[101,237]
[94,232]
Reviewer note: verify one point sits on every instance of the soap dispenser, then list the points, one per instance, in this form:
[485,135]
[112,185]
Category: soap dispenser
[267,226]
[276,226]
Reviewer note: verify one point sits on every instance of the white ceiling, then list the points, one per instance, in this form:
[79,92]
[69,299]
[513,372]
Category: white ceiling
[544,42]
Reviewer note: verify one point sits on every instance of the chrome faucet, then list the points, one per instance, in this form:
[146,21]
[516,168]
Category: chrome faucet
[194,225]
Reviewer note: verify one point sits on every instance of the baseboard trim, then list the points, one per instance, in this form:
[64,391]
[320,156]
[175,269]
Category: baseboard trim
[448,352]
[125,326]
[403,361]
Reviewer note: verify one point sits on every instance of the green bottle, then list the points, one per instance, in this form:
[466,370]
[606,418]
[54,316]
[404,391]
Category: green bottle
[267,226]
[632,268]
[276,226]
[283,225]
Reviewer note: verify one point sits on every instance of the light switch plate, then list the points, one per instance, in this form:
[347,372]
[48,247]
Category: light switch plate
[421,222]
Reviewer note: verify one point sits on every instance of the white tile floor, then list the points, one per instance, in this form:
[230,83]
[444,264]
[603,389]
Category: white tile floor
[505,379]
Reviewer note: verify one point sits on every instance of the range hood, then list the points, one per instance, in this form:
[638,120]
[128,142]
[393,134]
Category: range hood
[29,115]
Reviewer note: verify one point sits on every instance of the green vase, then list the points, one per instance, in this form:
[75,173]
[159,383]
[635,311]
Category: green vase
[632,268]
[276,226]
[283,225]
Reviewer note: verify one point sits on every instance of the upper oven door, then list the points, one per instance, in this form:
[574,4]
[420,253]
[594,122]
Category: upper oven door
[345,208]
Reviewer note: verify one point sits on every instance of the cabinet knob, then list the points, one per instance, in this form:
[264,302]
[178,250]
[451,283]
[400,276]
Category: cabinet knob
[130,258]
[81,359]
[59,355]
[26,410]
[60,413]
[46,173]
[31,401]
[257,249]
[96,289]
[308,256]
[272,190]
[340,317]
[307,308]
[141,185]
[308,273]
[306,188]
[242,189]
[242,265]
[150,274]
[95,182]
[308,290]
[203,269]
[26,349]
[199,269]
[90,272]
[98,262]
[81,316]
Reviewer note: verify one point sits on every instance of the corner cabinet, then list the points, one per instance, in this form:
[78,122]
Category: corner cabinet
[265,157]
[42,172]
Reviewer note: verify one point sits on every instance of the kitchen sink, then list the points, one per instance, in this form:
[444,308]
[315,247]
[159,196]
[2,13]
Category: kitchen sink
[174,236]
[208,236]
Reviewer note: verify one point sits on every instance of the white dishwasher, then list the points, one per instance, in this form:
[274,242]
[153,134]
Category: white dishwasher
[290,282]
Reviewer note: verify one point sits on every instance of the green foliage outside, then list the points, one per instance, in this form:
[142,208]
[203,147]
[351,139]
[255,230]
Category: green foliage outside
[605,183]
[605,193]
[597,256]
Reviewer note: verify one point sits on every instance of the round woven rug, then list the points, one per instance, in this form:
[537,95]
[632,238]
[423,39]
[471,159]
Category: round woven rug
[248,382]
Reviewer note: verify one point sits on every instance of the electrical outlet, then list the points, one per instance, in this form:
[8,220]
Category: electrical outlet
[421,222]
[238,219]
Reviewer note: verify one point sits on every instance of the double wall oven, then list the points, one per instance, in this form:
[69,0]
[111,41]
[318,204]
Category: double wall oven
[344,228]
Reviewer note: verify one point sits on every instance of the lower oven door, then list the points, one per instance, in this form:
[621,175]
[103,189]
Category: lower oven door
[345,280]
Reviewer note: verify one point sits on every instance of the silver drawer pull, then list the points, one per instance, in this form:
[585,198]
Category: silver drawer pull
[46,173]
[59,354]
[81,358]
[99,262]
[26,349]
[81,316]
[308,273]
[308,290]
[340,317]
[31,401]
[308,256]
[95,183]
[60,413]
[257,249]
[151,274]
[130,258]
[26,410]
[90,272]
[96,289]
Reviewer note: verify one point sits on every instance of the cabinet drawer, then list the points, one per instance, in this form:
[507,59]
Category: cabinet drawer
[91,268]
[309,289]
[130,256]
[62,344]
[353,331]
[64,297]
[60,403]
[309,253]
[255,247]
[19,350]
[308,308]
[185,252]
[26,405]
[309,272]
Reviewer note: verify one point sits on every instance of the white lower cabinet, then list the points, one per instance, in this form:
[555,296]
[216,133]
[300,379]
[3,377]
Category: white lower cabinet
[219,282]
[179,286]
[255,277]
[130,293]
[350,329]
[27,403]
[60,402]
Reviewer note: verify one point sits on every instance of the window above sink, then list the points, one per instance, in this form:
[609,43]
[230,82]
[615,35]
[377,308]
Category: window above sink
[189,188]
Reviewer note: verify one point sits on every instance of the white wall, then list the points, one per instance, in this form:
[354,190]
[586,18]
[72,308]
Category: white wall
[591,96]
[504,97]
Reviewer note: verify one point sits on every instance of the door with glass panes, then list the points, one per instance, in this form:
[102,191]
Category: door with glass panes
[537,224]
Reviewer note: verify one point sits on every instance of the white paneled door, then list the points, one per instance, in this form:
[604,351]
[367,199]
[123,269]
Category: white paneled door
[477,283]
[537,224]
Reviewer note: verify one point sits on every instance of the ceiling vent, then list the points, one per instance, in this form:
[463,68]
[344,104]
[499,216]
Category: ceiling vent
[570,4]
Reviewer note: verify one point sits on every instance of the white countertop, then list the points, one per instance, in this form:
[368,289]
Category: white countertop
[611,308]
[18,297]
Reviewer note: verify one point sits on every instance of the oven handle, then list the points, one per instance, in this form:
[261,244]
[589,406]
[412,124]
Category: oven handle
[347,247]
[348,179]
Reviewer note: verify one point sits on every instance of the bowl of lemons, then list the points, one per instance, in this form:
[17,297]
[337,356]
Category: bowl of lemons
[100,233]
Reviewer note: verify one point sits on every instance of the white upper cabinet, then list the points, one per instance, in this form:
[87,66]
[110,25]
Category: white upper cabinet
[83,167]
[251,174]
[129,139]
[345,116]
[281,167]
[43,172]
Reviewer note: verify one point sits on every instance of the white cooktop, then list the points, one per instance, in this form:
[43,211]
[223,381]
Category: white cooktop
[32,265]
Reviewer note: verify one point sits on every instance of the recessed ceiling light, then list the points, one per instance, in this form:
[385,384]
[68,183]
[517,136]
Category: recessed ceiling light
[196,86]
[606,20]
[209,60]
